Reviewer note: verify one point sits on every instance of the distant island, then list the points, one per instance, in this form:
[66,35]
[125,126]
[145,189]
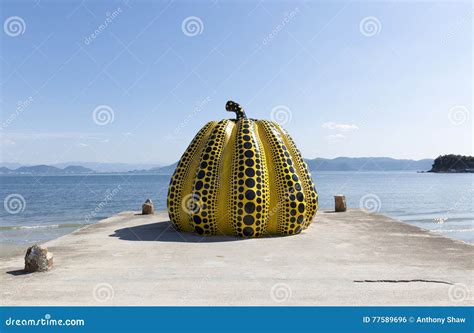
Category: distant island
[315,165]
[453,164]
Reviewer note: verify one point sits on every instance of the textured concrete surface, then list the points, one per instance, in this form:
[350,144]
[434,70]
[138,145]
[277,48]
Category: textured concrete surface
[350,258]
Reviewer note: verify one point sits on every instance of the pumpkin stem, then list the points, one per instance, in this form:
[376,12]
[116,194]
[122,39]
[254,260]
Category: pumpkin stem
[231,106]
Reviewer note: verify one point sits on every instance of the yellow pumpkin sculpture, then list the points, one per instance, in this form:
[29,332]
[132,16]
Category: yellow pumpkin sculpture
[242,177]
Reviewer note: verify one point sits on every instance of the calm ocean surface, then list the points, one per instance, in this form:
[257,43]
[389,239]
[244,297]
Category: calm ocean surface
[37,209]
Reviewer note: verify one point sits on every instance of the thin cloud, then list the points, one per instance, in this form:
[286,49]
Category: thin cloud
[7,142]
[52,135]
[334,138]
[340,127]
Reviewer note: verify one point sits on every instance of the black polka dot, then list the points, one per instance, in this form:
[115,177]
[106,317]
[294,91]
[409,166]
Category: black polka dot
[250,182]
[249,207]
[247,231]
[301,208]
[196,219]
[249,220]
[300,196]
[250,195]
[249,154]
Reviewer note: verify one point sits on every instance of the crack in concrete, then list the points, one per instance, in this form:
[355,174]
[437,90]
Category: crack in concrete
[402,281]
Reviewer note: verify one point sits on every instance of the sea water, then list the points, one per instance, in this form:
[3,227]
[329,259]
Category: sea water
[39,208]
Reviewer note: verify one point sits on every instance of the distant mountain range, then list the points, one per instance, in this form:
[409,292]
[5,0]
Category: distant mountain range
[368,164]
[317,164]
[96,167]
[47,170]
[111,167]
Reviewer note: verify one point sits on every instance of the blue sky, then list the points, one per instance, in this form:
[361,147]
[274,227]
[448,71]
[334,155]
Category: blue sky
[345,78]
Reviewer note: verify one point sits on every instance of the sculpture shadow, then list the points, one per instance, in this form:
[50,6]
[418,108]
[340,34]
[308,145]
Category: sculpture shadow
[165,232]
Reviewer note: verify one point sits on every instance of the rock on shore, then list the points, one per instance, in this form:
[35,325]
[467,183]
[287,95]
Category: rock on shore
[38,259]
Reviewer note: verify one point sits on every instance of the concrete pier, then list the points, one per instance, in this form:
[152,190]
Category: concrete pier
[351,258]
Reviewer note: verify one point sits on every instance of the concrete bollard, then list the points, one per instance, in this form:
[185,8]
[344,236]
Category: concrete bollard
[340,201]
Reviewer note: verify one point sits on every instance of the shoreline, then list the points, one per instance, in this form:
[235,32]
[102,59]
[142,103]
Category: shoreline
[351,258]
[9,250]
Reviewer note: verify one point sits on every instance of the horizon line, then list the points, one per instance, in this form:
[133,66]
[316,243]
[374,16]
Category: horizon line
[170,163]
